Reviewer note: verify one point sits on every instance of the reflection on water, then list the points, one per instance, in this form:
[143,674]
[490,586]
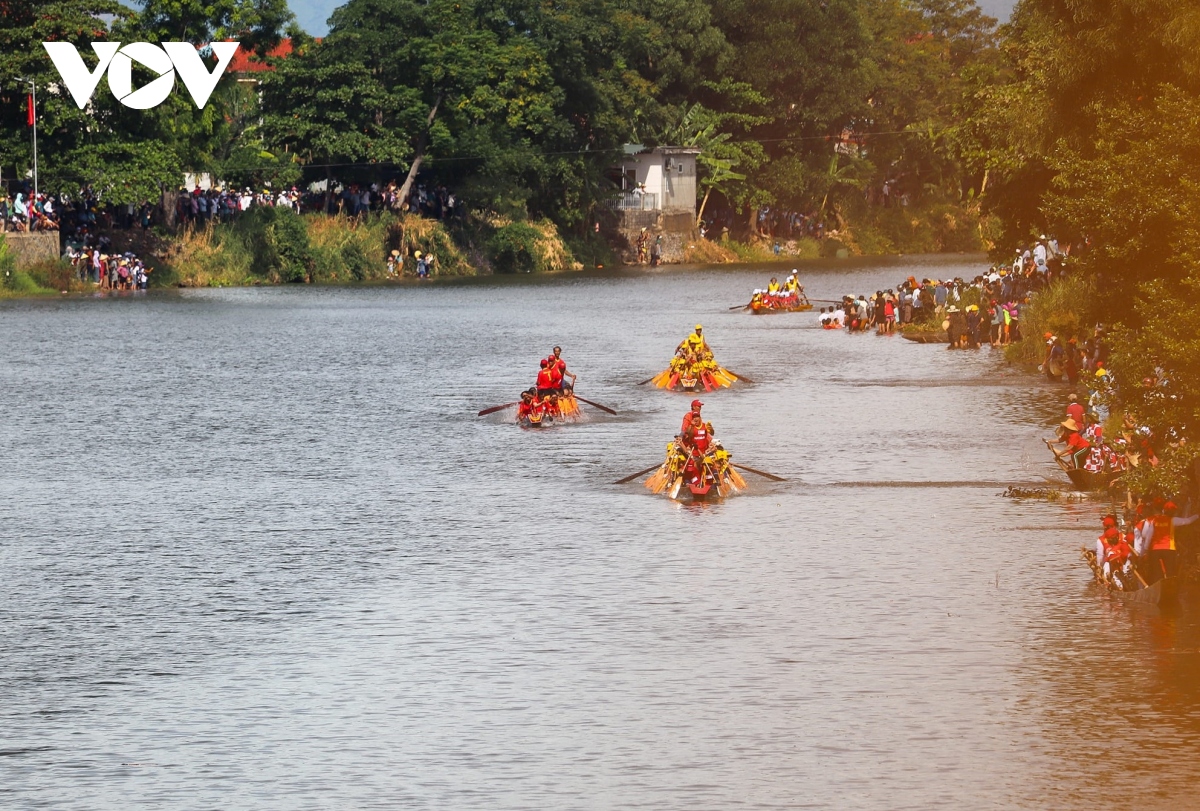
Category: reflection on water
[259,553]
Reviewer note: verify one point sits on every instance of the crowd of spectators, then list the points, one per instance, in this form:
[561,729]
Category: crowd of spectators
[987,308]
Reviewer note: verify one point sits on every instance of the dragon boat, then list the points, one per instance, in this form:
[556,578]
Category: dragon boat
[1159,592]
[685,375]
[692,475]
[554,409]
[767,305]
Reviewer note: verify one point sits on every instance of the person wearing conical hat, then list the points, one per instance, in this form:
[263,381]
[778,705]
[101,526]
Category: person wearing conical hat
[1075,447]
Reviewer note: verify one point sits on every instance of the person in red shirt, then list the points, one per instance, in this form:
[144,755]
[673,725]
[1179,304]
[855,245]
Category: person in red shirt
[1075,410]
[528,406]
[1076,447]
[561,366]
[687,418]
[545,380]
[697,436]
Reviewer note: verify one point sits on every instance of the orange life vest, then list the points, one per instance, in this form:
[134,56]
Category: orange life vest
[1164,533]
[1117,552]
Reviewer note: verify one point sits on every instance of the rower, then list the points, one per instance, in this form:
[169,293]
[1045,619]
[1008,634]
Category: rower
[773,287]
[688,417]
[545,380]
[1113,553]
[1077,448]
[698,435]
[527,407]
[561,364]
[556,375]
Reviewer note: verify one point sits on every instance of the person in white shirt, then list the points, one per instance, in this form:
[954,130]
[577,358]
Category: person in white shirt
[1039,252]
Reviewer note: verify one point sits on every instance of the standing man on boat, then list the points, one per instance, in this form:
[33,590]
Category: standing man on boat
[696,344]
[690,416]
[560,367]
[1158,541]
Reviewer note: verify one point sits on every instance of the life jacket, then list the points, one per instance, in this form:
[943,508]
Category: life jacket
[699,437]
[525,410]
[545,380]
[1164,533]
[773,288]
[556,378]
[1115,548]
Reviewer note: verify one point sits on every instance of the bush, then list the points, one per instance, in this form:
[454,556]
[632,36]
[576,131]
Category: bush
[1063,308]
[355,260]
[513,248]
[278,239]
[8,265]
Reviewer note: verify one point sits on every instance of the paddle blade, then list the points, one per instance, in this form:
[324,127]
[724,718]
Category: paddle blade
[675,488]
[633,476]
[737,376]
[596,405]
[737,479]
[762,473]
[494,409]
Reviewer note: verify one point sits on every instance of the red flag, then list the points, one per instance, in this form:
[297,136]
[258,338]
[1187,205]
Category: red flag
[29,110]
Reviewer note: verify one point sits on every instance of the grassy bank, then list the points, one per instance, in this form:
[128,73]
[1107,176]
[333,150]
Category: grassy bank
[873,231]
[277,246]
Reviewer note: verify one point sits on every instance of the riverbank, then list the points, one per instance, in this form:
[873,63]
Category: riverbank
[276,246]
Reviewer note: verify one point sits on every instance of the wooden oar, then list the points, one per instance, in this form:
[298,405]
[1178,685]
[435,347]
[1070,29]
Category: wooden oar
[633,476]
[494,409]
[740,307]
[762,473]
[1057,458]
[595,405]
[738,376]
[647,380]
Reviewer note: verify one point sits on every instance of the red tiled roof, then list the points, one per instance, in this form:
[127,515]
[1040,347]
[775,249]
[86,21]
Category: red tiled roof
[246,61]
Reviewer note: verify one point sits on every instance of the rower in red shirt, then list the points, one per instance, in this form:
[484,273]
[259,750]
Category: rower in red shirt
[556,375]
[1077,448]
[527,407]
[545,380]
[687,418]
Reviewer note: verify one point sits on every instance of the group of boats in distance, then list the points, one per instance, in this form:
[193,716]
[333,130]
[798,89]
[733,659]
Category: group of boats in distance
[697,466]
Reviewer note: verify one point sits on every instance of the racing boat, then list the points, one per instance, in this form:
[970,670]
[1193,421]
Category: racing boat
[692,475]
[765,305]
[690,376]
[1160,591]
[554,409]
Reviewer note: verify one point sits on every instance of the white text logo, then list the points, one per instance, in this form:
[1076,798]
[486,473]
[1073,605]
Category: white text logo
[165,60]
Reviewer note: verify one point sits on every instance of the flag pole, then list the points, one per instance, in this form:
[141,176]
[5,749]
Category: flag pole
[33,116]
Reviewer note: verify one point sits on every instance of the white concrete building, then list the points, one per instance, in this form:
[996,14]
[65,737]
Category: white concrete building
[658,179]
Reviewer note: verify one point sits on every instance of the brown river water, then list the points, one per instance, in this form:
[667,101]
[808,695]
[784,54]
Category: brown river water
[258,552]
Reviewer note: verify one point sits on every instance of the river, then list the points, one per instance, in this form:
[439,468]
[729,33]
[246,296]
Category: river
[259,553]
